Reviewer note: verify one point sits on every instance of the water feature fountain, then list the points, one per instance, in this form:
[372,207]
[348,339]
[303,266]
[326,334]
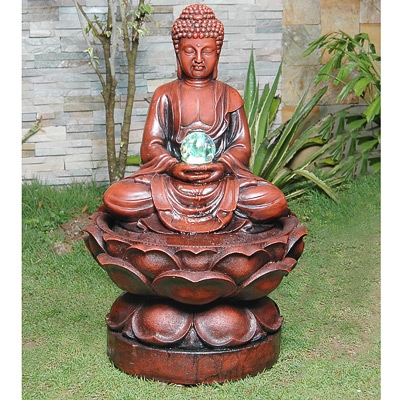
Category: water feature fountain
[195,241]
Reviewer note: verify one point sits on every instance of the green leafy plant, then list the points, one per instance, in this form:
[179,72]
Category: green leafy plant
[273,151]
[261,111]
[123,22]
[37,126]
[353,65]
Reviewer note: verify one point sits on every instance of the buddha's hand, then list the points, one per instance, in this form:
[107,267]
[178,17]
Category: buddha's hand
[203,173]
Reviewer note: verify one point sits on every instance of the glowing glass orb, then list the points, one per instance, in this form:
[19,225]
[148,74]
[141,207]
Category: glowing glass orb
[197,148]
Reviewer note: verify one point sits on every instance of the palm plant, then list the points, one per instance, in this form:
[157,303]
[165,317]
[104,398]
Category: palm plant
[353,65]
[273,151]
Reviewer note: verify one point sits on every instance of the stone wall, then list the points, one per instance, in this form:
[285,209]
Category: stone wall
[61,90]
[307,20]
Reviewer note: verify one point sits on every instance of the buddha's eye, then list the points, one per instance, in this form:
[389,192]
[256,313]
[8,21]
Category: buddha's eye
[208,52]
[188,50]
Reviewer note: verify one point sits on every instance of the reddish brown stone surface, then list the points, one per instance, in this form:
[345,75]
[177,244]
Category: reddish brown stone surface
[189,368]
[196,249]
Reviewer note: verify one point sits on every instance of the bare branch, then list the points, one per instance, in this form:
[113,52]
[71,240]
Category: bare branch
[122,5]
[114,38]
[81,12]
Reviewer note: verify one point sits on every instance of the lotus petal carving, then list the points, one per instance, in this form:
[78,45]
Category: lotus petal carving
[196,259]
[124,275]
[265,280]
[225,325]
[196,269]
[193,287]
[94,240]
[152,261]
[121,310]
[296,247]
[241,264]
[163,322]
[160,324]
[267,314]
[276,250]
[115,245]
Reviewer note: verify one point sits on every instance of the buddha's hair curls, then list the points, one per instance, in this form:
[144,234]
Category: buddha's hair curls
[197,21]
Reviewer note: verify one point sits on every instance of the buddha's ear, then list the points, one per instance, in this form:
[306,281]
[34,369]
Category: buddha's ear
[215,72]
[178,68]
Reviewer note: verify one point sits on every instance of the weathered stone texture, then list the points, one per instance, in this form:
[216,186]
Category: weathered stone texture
[343,16]
[370,11]
[304,12]
[296,39]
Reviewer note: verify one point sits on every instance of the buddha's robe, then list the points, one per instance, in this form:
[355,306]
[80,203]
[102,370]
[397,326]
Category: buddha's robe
[186,206]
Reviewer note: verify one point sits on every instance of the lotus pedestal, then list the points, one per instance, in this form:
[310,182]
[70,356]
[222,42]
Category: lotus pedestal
[192,366]
[194,308]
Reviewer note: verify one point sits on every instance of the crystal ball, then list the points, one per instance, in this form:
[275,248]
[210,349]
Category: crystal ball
[197,148]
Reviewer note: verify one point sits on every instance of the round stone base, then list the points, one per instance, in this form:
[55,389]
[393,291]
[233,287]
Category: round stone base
[190,367]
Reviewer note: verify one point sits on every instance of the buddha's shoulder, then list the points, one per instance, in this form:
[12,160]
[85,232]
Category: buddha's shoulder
[231,96]
[235,100]
[166,87]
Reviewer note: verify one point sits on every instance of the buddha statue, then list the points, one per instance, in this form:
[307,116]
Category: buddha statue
[194,239]
[200,197]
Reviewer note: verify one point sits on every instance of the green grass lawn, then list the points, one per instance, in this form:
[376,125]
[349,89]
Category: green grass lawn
[331,305]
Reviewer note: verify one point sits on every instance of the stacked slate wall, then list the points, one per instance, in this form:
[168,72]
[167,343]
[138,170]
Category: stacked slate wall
[62,90]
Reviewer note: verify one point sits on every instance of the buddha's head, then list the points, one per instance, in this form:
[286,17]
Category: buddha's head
[199,30]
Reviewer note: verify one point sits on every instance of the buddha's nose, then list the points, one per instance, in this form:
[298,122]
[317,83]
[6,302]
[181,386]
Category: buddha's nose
[198,58]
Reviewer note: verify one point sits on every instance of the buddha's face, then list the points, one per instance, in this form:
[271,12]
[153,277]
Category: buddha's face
[198,57]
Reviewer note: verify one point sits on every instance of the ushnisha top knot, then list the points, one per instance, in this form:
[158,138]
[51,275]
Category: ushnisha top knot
[197,21]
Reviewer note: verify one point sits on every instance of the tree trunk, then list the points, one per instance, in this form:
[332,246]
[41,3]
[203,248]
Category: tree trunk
[107,33]
[109,104]
[131,48]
